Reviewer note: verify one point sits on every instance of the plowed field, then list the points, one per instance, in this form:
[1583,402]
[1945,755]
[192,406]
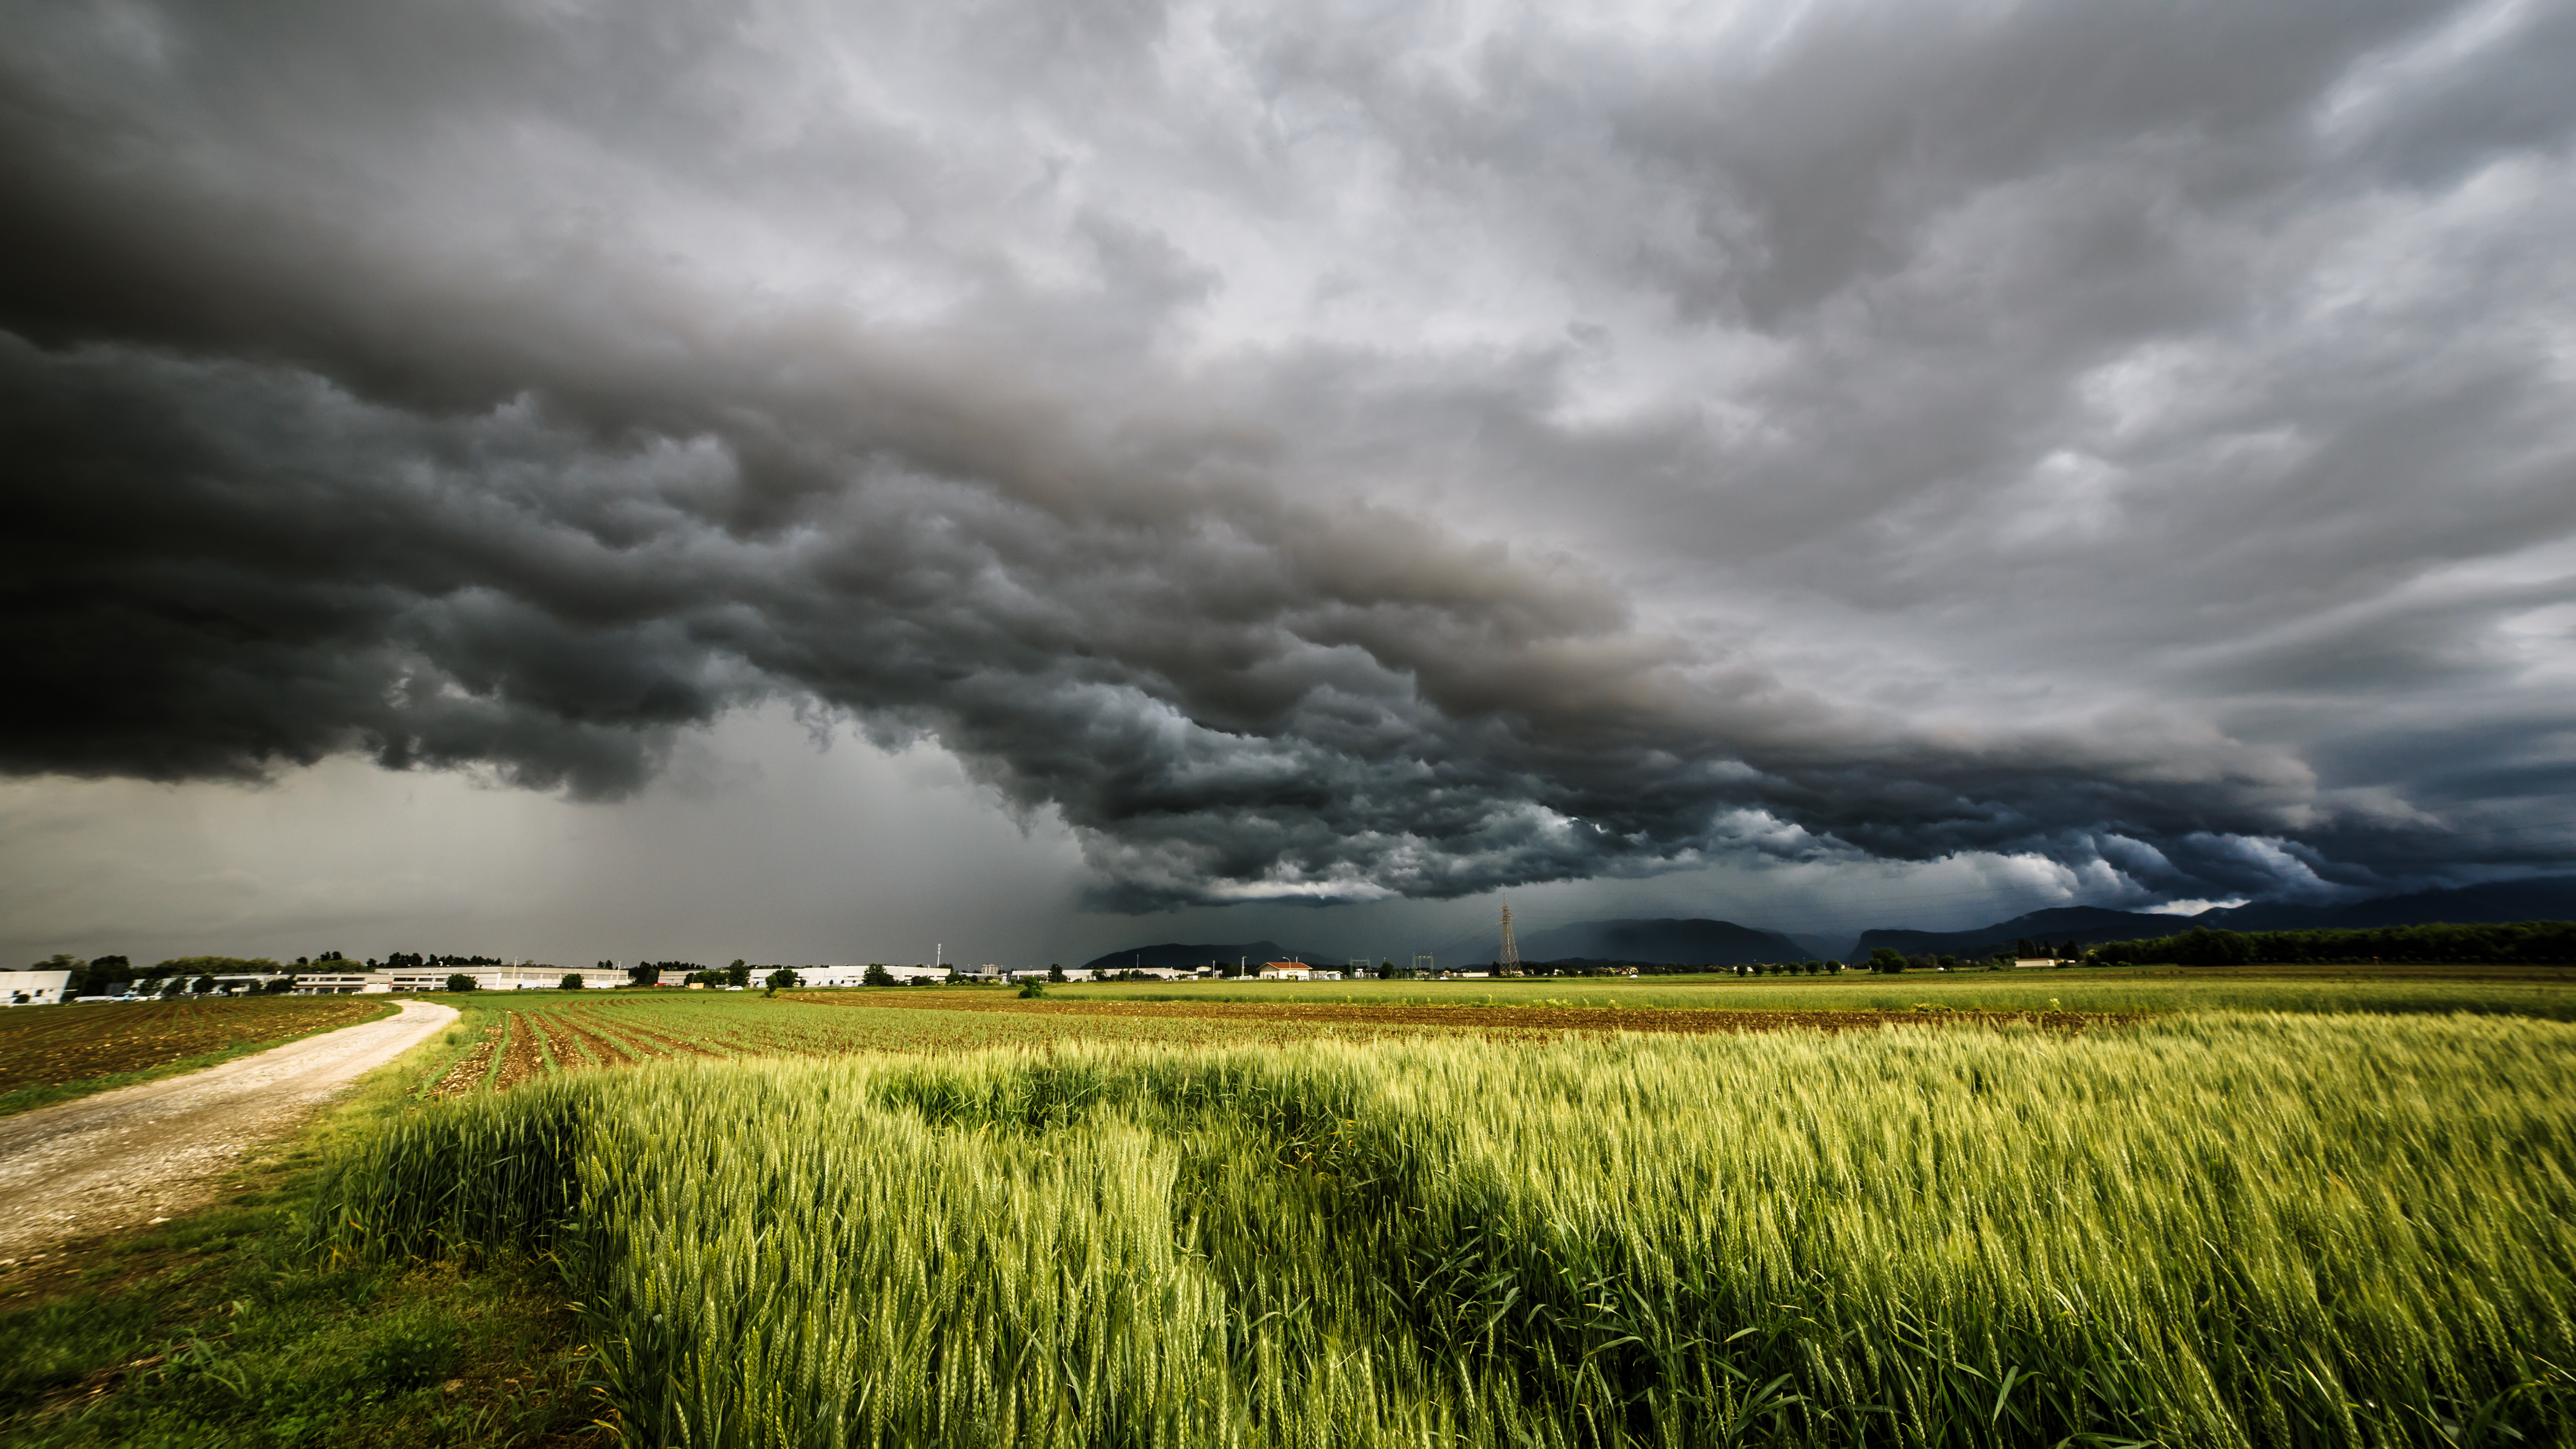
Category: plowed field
[49,1046]
[521,1060]
[1505,1020]
[569,1033]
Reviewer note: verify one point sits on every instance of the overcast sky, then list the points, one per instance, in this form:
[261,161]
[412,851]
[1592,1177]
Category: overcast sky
[832,482]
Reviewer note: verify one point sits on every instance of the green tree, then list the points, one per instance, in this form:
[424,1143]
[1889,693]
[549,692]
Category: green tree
[737,974]
[1886,960]
[78,982]
[877,975]
[459,981]
[782,979]
[1054,972]
[571,981]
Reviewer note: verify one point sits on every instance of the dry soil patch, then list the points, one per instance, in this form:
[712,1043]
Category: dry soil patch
[137,1153]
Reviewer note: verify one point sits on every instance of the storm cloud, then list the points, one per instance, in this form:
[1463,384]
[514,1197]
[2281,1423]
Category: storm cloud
[1330,454]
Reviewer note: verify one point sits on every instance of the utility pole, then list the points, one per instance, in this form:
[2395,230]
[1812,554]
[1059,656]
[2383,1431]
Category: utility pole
[1510,965]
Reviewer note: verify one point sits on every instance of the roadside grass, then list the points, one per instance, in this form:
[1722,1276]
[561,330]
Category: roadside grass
[222,1328]
[45,1093]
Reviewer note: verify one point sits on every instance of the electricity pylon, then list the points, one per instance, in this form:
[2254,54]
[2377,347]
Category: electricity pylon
[1510,965]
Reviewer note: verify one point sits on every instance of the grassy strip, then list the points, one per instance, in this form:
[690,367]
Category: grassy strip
[28,1098]
[221,1329]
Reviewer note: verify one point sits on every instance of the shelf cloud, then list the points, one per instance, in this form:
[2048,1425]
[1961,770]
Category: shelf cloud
[1327,455]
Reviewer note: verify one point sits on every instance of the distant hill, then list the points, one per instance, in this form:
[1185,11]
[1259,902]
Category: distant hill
[2551,898]
[2548,898]
[1698,942]
[1176,955]
[2083,925]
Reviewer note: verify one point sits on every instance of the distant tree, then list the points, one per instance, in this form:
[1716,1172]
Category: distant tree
[1055,972]
[279,985]
[782,979]
[877,975]
[1032,989]
[737,974]
[461,982]
[1386,971]
[202,985]
[1886,960]
[79,969]
[571,981]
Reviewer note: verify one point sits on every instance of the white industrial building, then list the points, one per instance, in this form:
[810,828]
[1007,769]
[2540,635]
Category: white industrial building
[858,975]
[524,977]
[33,988]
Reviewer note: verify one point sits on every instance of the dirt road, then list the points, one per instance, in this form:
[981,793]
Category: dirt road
[138,1153]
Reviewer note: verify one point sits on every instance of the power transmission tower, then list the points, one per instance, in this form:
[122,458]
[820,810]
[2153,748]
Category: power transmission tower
[1510,965]
[1426,965]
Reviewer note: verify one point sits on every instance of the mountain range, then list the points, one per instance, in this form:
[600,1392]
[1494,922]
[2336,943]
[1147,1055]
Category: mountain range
[2551,898]
[1724,943]
[1701,942]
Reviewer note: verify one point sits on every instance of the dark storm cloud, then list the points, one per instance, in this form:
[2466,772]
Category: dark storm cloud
[513,388]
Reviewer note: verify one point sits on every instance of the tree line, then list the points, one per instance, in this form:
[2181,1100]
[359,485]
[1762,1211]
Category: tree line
[2439,943]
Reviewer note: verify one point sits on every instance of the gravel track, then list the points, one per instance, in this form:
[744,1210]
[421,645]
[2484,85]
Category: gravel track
[131,1155]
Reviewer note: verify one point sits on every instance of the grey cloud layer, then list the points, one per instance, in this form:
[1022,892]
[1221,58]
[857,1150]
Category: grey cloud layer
[1956,428]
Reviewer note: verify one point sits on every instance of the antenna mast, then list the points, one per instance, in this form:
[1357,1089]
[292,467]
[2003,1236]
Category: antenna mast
[1510,965]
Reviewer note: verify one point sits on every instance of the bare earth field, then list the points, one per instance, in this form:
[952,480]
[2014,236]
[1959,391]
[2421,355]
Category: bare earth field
[1505,1021]
[61,1046]
[140,1153]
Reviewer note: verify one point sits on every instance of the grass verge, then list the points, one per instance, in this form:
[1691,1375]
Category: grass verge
[222,1328]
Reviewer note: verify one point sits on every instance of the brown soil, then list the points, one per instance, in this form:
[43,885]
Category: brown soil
[562,1043]
[620,1037]
[470,1069]
[670,1045]
[520,1060]
[606,1050]
[75,1043]
[127,1155]
[1681,1019]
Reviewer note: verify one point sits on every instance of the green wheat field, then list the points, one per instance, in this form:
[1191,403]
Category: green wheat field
[2216,1228]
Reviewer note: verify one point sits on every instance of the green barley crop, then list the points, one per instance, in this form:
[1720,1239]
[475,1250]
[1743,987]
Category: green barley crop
[2217,1230]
